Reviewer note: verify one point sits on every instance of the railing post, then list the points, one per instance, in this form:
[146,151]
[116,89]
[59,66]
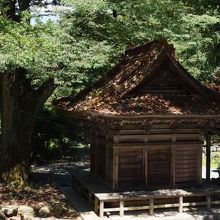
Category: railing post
[181,204]
[121,208]
[101,208]
[151,210]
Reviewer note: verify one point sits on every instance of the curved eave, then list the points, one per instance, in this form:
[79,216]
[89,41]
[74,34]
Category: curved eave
[204,122]
[91,114]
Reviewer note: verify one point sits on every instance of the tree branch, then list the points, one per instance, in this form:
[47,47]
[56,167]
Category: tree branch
[9,9]
[44,92]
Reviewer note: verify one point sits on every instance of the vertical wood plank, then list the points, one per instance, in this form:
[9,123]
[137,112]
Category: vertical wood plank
[121,208]
[107,159]
[115,167]
[143,162]
[91,138]
[173,165]
[101,208]
[145,168]
[96,153]
[199,164]
[151,207]
[181,204]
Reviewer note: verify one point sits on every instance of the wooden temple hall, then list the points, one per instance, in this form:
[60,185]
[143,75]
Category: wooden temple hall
[146,118]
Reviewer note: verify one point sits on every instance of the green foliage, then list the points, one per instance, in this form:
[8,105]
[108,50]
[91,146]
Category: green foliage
[35,48]
[56,136]
[196,45]
[89,39]
[189,28]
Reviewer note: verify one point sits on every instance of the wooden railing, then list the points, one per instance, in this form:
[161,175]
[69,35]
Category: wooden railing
[102,199]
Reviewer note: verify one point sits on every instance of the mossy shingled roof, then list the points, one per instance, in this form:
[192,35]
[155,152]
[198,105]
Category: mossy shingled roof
[109,95]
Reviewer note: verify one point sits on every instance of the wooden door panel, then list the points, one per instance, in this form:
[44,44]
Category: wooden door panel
[159,167]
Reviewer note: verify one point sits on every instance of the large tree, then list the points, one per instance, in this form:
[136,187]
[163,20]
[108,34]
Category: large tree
[30,56]
[20,103]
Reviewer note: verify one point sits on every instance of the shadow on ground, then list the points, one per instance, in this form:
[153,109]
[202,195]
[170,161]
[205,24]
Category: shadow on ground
[60,174]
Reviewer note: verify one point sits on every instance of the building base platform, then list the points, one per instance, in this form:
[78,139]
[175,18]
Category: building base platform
[105,201]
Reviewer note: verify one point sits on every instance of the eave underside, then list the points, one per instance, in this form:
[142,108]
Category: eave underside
[205,123]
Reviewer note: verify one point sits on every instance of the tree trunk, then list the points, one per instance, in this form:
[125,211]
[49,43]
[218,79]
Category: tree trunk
[23,5]
[19,105]
[9,10]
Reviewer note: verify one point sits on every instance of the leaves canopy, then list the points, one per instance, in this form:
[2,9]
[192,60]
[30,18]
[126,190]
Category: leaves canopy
[88,40]
[187,24]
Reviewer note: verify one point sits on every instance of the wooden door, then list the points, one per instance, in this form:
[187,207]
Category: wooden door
[130,168]
[159,167]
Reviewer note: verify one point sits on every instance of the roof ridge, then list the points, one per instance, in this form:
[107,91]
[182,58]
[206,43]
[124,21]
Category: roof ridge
[146,46]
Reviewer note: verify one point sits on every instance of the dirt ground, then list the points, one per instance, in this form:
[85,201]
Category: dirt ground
[44,190]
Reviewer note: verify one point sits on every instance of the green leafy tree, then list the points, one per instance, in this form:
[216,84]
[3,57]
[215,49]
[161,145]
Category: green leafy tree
[117,24]
[30,57]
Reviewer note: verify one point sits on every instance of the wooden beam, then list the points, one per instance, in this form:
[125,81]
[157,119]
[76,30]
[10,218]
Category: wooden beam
[173,164]
[107,159]
[161,206]
[208,156]
[115,167]
[96,153]
[199,165]
[145,166]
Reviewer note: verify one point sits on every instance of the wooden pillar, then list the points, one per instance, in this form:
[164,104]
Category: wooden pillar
[208,156]
[173,160]
[107,159]
[96,153]
[115,167]
[91,153]
[173,165]
[145,140]
[199,165]
[145,166]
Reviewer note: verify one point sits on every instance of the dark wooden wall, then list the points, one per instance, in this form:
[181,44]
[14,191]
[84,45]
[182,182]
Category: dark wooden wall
[136,159]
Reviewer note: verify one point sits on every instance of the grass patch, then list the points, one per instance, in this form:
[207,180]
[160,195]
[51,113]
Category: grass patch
[215,159]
